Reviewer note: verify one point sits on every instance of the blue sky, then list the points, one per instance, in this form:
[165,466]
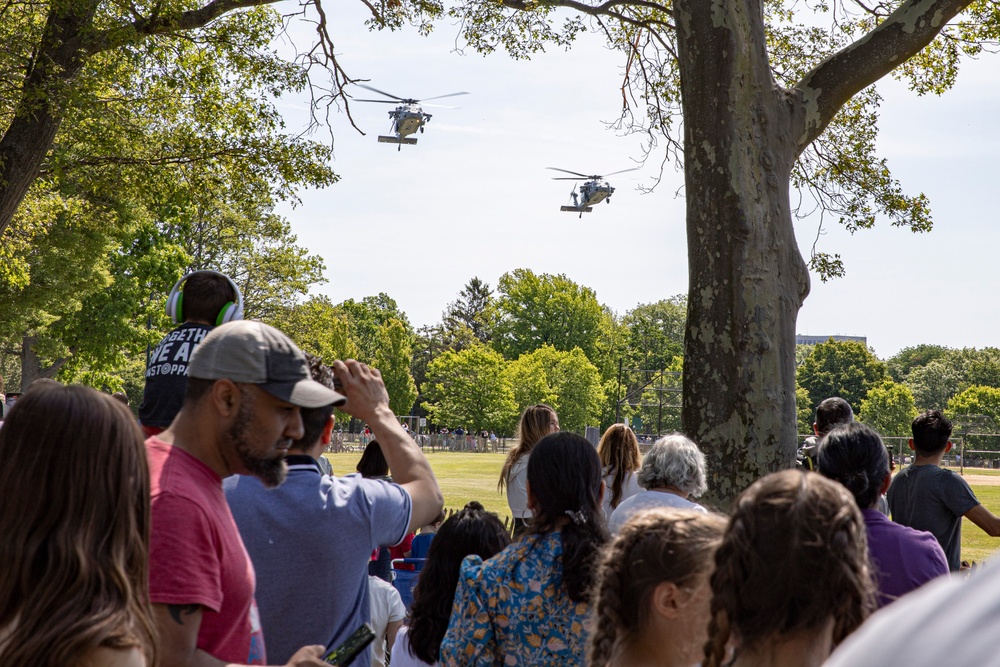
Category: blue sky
[473,198]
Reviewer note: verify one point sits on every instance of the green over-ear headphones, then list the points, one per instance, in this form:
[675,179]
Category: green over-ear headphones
[229,313]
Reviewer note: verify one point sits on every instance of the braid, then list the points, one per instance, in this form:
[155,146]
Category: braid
[608,603]
[718,635]
[723,597]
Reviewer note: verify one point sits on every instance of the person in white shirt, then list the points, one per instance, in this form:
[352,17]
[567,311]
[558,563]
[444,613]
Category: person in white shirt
[672,472]
[387,614]
[621,460]
[537,421]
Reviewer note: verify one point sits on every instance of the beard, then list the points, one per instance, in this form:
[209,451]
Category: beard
[270,471]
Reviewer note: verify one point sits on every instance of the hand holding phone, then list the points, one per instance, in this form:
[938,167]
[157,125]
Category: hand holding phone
[345,654]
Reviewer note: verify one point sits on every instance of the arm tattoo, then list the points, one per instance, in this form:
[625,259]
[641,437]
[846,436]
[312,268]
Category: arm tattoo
[176,610]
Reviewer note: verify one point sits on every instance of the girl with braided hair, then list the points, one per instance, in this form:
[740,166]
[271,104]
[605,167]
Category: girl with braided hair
[528,605]
[651,598]
[791,577]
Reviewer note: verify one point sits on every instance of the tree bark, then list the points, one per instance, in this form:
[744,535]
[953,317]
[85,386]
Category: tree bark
[59,57]
[31,365]
[747,279]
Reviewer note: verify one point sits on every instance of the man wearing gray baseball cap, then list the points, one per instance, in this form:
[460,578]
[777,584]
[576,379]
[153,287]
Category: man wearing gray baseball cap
[246,384]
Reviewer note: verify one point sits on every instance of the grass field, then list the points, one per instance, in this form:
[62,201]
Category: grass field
[465,477]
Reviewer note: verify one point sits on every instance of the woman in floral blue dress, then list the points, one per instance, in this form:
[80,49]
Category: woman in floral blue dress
[529,604]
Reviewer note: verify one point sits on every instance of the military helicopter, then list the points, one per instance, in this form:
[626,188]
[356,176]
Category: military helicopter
[594,191]
[407,118]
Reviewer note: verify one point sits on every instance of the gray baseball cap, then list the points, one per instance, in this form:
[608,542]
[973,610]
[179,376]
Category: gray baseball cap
[255,353]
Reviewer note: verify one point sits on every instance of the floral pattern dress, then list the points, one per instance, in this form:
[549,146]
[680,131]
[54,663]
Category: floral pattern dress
[513,610]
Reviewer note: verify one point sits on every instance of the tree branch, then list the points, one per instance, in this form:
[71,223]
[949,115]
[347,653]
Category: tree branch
[824,90]
[158,24]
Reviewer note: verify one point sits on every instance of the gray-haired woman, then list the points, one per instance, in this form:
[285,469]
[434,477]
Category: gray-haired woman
[672,472]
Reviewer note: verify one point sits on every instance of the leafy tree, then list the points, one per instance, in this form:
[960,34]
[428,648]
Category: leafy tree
[393,357]
[889,409]
[365,317]
[470,389]
[535,310]
[318,327]
[934,384]
[840,368]
[976,400]
[770,101]
[802,353]
[470,310]
[910,358]
[803,411]
[657,331]
[660,402]
[566,380]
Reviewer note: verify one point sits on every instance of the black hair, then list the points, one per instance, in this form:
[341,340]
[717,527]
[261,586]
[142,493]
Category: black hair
[853,454]
[196,389]
[205,293]
[373,463]
[471,531]
[314,420]
[832,412]
[931,432]
[564,474]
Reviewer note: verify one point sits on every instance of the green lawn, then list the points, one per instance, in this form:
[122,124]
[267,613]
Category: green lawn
[465,477]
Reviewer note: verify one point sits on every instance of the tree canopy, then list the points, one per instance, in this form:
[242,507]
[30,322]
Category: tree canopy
[846,369]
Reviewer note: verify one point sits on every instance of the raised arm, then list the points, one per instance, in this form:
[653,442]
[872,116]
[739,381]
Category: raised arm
[985,519]
[368,400]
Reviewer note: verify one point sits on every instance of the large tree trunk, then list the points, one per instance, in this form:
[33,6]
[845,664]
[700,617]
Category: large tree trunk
[747,278]
[31,364]
[28,138]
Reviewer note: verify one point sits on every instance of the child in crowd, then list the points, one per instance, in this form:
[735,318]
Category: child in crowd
[791,576]
[207,300]
[529,604]
[386,614]
[651,604]
[472,531]
[621,459]
[537,421]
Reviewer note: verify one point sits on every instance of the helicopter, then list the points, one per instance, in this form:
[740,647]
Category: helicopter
[407,118]
[595,190]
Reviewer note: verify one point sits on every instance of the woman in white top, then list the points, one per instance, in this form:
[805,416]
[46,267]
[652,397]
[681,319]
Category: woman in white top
[537,421]
[621,459]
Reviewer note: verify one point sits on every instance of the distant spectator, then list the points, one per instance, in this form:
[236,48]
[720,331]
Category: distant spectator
[537,421]
[903,559]
[529,604]
[75,532]
[373,464]
[652,592]
[471,531]
[672,472]
[207,299]
[925,496]
[620,459]
[791,576]
[830,412]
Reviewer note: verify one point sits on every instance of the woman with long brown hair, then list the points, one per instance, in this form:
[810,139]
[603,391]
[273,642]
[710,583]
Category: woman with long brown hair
[537,421]
[75,527]
[621,460]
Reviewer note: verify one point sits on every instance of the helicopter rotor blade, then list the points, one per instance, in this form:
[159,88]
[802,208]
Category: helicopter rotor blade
[622,171]
[567,171]
[379,101]
[380,92]
[438,106]
[570,178]
[440,96]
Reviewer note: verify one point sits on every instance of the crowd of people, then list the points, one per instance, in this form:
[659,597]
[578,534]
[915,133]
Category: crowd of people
[213,535]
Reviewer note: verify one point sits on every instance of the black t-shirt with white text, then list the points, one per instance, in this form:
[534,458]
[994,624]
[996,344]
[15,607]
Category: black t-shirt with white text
[166,374]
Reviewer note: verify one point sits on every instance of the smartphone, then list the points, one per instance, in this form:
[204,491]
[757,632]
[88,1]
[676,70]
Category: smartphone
[345,654]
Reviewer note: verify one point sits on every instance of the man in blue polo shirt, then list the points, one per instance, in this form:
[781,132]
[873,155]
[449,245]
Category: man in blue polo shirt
[311,538]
